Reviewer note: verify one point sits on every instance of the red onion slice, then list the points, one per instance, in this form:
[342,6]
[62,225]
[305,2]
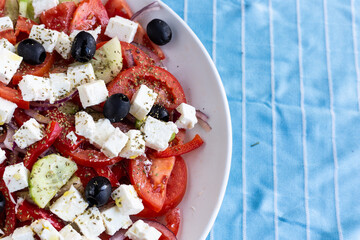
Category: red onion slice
[38,117]
[151,54]
[150,7]
[203,120]
[129,58]
[119,235]
[9,141]
[42,106]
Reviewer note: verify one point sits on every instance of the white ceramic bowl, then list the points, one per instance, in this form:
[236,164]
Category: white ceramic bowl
[209,166]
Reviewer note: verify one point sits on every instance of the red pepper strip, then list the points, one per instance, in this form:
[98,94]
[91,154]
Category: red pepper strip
[106,172]
[14,96]
[85,174]
[53,131]
[10,220]
[88,158]
[180,149]
[34,212]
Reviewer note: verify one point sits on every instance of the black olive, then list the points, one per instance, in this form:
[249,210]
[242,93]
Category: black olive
[98,191]
[83,47]
[159,112]
[116,107]
[159,32]
[2,202]
[32,51]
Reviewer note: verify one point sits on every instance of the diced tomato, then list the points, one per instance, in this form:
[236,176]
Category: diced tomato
[118,8]
[9,34]
[14,96]
[179,138]
[23,28]
[88,15]
[142,38]
[2,8]
[150,181]
[107,172]
[52,132]
[36,70]
[170,92]
[173,219]
[59,17]
[119,171]
[85,174]
[10,220]
[20,117]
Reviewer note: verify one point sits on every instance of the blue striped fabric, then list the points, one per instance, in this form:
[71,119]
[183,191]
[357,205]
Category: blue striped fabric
[292,76]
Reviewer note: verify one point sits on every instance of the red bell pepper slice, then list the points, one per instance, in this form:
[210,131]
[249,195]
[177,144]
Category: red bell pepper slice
[29,211]
[10,220]
[85,174]
[106,172]
[53,131]
[180,149]
[14,96]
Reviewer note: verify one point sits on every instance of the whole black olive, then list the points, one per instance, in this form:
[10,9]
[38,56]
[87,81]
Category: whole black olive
[98,191]
[159,32]
[116,107]
[2,202]
[83,47]
[32,51]
[159,112]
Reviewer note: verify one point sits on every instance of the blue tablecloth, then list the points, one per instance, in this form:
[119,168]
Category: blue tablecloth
[291,72]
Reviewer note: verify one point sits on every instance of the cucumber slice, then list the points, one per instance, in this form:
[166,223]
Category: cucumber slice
[47,176]
[23,8]
[107,60]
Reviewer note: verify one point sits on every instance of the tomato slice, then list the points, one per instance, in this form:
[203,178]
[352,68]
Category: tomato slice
[142,38]
[88,15]
[14,96]
[9,34]
[170,92]
[23,28]
[118,8]
[36,70]
[150,181]
[59,17]
[85,174]
[2,8]
[107,172]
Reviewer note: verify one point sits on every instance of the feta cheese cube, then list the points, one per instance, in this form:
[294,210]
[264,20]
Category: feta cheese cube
[63,45]
[43,5]
[93,93]
[9,64]
[188,117]
[142,231]
[2,158]
[84,124]
[142,102]
[7,238]
[158,133]
[4,43]
[103,130]
[16,177]
[114,220]
[115,143]
[35,88]
[127,200]
[7,109]
[72,137]
[90,222]
[29,133]
[23,233]
[68,232]
[45,230]
[6,23]
[70,205]
[135,146]
[47,37]
[81,74]
[122,28]
[94,33]
[60,86]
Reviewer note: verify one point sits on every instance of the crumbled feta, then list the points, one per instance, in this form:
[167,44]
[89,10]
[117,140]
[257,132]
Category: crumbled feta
[158,133]
[103,130]
[90,222]
[16,177]
[188,117]
[2,158]
[4,43]
[135,146]
[72,137]
[142,231]
[94,33]
[114,220]
[45,230]
[23,233]
[142,102]
[7,109]
[47,37]
[9,64]
[43,5]
[6,23]
[29,133]
[81,74]
[35,88]
[115,143]
[68,232]
[84,124]
[70,205]
[92,93]
[63,45]
[122,28]
[59,85]
[127,200]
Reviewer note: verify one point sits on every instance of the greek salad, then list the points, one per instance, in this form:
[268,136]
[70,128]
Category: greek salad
[92,125]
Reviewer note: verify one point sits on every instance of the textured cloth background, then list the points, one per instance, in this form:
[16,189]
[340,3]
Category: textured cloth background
[291,72]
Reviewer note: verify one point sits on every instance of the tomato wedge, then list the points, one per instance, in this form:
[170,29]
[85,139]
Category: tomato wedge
[2,8]
[14,96]
[118,8]
[23,28]
[170,92]
[107,172]
[9,34]
[142,38]
[20,117]
[85,174]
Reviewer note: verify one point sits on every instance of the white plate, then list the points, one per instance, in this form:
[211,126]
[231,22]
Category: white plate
[209,166]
